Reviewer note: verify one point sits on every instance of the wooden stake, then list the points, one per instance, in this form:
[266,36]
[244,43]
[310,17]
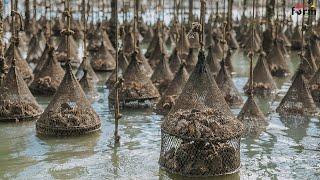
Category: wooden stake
[117,114]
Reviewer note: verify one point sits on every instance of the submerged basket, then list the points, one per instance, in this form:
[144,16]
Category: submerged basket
[314,85]
[16,101]
[253,119]
[263,83]
[298,100]
[23,66]
[88,86]
[137,87]
[48,79]
[173,91]
[175,61]
[227,87]
[276,62]
[103,60]
[200,135]
[61,52]
[162,74]
[69,113]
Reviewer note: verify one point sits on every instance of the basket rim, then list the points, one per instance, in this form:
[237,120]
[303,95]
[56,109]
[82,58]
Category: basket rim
[211,175]
[211,140]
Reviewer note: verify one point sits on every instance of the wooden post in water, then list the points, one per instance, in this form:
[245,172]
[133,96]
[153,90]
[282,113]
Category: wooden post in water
[251,53]
[27,16]
[113,29]
[117,114]
[2,63]
[190,20]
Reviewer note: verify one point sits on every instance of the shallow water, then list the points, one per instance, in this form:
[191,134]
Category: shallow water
[283,151]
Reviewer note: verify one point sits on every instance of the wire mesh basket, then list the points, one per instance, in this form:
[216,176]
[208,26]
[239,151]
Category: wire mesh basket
[253,119]
[298,100]
[263,82]
[48,79]
[137,88]
[69,113]
[16,101]
[200,135]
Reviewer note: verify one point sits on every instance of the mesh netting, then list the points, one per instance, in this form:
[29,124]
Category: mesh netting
[69,113]
[88,87]
[162,74]
[77,29]
[228,62]
[128,44]
[314,85]
[85,65]
[107,42]
[123,64]
[253,119]
[298,100]
[61,52]
[153,42]
[57,26]
[94,40]
[276,62]
[200,135]
[42,59]
[308,65]
[194,41]
[136,86]
[170,41]
[231,39]
[23,66]
[213,61]
[174,61]
[217,50]
[263,83]
[251,42]
[17,102]
[283,37]
[103,60]
[208,38]
[155,56]
[35,49]
[268,38]
[227,87]
[296,38]
[148,36]
[173,91]
[146,66]
[191,59]
[48,79]
[315,48]
[183,44]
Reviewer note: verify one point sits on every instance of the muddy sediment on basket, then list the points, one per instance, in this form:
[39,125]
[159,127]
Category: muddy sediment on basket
[201,124]
[18,109]
[201,159]
[69,117]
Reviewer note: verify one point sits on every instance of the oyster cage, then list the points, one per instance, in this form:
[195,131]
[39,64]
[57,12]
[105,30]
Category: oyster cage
[200,143]
[191,157]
